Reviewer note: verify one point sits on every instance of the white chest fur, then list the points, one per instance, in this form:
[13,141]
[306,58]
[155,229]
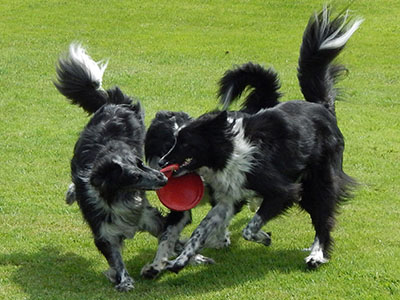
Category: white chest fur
[229,183]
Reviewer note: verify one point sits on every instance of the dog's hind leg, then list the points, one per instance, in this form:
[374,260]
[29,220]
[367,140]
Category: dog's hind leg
[319,199]
[117,273]
[169,240]
[323,219]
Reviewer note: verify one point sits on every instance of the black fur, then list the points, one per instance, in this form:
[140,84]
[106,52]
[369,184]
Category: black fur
[290,153]
[264,83]
[108,176]
[317,75]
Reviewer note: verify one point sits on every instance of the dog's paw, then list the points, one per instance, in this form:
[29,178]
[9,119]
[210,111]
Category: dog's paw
[150,271]
[125,285]
[264,238]
[313,262]
[199,259]
[259,237]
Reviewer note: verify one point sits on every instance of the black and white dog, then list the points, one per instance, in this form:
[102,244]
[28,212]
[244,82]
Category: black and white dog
[290,153]
[109,178]
[161,135]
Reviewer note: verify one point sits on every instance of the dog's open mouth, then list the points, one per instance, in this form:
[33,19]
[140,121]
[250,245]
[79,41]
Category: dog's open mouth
[186,162]
[184,168]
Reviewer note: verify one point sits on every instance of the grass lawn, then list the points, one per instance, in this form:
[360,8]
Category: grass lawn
[170,54]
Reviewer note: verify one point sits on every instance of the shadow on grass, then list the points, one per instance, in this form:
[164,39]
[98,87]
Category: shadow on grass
[50,274]
[233,268]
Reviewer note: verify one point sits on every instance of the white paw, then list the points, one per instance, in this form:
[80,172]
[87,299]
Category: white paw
[316,257]
[314,260]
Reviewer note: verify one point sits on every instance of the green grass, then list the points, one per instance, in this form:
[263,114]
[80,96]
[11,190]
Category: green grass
[170,55]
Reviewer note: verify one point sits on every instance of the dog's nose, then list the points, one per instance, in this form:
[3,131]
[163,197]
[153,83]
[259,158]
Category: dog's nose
[163,179]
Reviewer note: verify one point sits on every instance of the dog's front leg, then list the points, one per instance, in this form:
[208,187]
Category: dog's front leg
[218,216]
[175,223]
[117,273]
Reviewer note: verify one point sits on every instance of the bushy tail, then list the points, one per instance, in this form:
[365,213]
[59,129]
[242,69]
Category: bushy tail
[323,40]
[264,83]
[79,78]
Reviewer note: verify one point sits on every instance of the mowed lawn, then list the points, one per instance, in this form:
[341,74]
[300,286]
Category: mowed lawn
[170,55]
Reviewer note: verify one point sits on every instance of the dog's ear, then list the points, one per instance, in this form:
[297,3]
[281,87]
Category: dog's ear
[222,116]
[108,172]
[219,121]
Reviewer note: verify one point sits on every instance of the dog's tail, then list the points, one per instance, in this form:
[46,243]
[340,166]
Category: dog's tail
[323,40]
[264,83]
[79,78]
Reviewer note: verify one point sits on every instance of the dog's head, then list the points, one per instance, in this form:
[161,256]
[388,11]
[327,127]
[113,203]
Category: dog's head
[121,170]
[160,136]
[206,141]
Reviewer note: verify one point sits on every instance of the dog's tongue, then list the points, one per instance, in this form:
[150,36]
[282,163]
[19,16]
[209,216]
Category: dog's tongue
[169,170]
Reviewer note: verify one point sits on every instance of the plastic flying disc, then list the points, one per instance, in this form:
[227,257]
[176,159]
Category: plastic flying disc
[180,193]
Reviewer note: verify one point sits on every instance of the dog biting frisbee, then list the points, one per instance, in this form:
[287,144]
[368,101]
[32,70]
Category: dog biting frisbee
[180,193]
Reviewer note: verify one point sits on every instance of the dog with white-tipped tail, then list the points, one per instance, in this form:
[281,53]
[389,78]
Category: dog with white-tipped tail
[291,153]
[109,179]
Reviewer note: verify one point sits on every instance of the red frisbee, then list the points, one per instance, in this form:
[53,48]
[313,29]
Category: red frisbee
[180,193]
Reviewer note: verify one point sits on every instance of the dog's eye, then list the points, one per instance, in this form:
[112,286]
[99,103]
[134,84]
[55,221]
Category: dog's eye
[139,163]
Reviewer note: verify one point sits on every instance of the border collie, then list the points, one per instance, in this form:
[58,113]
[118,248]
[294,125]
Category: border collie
[290,153]
[109,178]
[160,137]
